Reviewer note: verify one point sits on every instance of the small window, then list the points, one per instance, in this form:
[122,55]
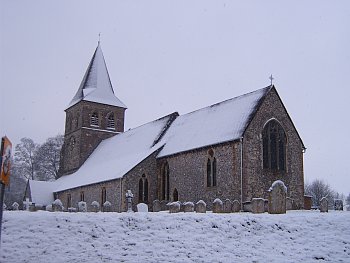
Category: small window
[175,195]
[211,169]
[82,196]
[110,122]
[103,196]
[69,200]
[94,119]
[165,182]
[143,190]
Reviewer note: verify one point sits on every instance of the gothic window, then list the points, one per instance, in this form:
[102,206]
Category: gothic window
[274,146]
[165,182]
[103,196]
[143,189]
[94,119]
[82,196]
[175,195]
[69,200]
[110,122]
[211,169]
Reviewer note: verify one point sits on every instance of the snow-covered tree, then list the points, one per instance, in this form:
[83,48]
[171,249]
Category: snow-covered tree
[47,158]
[25,160]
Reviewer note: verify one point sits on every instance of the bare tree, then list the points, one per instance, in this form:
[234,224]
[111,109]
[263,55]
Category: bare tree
[348,200]
[47,158]
[25,158]
[318,189]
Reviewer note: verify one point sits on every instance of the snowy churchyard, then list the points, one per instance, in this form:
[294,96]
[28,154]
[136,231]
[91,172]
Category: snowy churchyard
[297,236]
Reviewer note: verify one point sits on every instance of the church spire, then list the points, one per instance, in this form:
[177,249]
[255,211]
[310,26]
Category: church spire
[96,85]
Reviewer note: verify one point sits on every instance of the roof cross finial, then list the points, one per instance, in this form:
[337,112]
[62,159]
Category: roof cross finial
[271,78]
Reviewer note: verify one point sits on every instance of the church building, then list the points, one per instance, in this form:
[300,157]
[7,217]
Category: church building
[233,150]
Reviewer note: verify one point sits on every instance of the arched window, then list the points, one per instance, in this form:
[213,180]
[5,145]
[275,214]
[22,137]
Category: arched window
[175,195]
[69,200]
[211,169]
[103,195]
[82,196]
[110,122]
[165,182]
[94,119]
[143,189]
[274,146]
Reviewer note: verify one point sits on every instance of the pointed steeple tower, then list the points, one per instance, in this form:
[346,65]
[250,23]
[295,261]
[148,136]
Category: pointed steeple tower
[95,113]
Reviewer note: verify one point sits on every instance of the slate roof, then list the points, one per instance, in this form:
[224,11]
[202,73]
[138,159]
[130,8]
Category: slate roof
[96,85]
[41,192]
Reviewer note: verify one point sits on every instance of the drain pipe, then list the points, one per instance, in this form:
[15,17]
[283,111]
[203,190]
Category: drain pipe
[121,195]
[241,140]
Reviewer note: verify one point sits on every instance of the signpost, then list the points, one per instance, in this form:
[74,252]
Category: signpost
[5,162]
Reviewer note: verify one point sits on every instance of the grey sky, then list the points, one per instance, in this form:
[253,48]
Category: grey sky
[166,56]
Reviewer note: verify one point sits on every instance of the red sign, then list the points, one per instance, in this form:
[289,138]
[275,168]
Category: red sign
[6,151]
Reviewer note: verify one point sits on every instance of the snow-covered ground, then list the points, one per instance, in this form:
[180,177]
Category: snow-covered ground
[298,236]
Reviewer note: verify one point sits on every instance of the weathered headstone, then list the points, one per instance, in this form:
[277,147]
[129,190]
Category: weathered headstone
[324,205]
[15,206]
[247,206]
[201,207]
[227,208]
[174,207]
[143,208]
[217,206]
[338,205]
[258,205]
[57,206]
[164,205]
[82,207]
[95,206]
[277,198]
[129,196]
[156,206]
[188,207]
[107,206]
[289,203]
[48,208]
[236,206]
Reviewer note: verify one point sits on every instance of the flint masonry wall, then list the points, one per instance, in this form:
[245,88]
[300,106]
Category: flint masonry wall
[257,180]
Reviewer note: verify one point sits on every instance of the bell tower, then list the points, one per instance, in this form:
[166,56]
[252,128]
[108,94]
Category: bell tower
[94,114]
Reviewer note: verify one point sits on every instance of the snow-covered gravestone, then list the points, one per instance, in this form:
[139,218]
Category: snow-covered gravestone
[324,205]
[82,207]
[188,207]
[174,207]
[107,206]
[156,206]
[217,206]
[338,205]
[227,206]
[129,196]
[95,206]
[142,207]
[164,205]
[277,198]
[15,206]
[57,206]
[236,206]
[48,208]
[201,207]
[26,204]
[258,205]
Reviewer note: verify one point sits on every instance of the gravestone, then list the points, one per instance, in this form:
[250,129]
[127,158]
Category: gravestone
[258,205]
[157,206]
[324,205]
[48,208]
[82,207]
[143,208]
[307,202]
[236,206]
[95,206]
[217,206]
[247,206]
[227,206]
[57,206]
[15,206]
[26,204]
[72,210]
[188,207]
[164,205]
[338,205]
[107,206]
[277,198]
[289,203]
[201,207]
[174,207]
[129,196]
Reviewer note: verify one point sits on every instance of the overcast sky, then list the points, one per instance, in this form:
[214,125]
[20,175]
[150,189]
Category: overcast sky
[166,56]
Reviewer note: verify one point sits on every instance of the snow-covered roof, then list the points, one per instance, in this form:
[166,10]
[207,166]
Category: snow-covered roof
[219,123]
[116,156]
[96,85]
[42,192]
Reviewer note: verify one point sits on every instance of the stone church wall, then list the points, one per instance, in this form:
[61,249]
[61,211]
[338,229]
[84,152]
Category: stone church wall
[188,174]
[258,180]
